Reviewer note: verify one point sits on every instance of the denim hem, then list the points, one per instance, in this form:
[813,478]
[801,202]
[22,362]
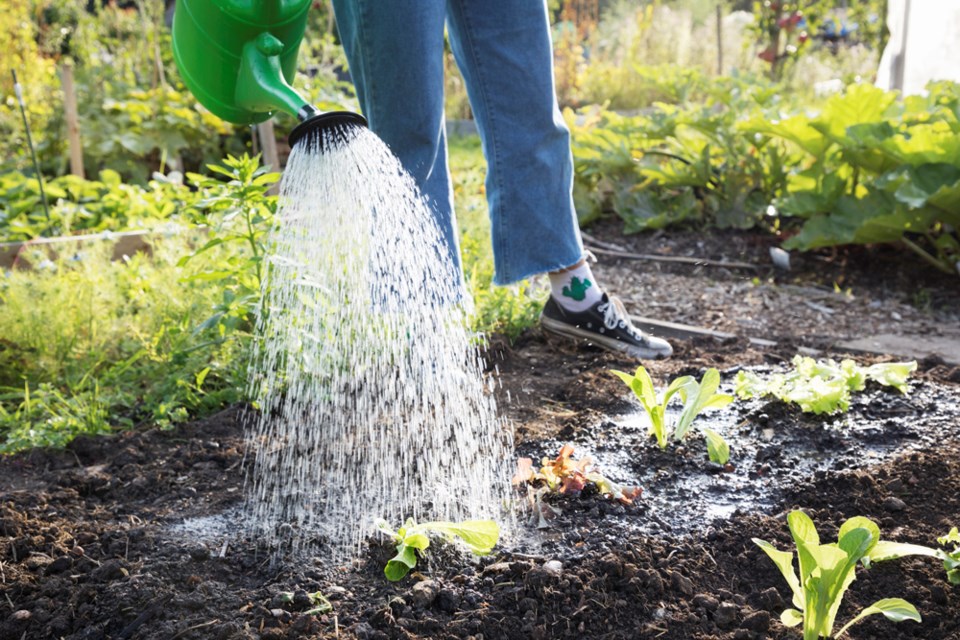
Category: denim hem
[502,280]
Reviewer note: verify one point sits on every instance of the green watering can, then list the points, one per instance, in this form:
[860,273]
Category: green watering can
[238,58]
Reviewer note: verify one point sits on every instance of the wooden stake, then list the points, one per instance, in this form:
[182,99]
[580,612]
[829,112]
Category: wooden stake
[719,40]
[268,142]
[73,119]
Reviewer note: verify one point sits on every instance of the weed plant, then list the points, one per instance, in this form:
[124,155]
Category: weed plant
[90,344]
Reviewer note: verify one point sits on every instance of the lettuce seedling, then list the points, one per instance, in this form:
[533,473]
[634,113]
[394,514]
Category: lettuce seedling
[823,386]
[696,396]
[568,476]
[951,560]
[827,570]
[717,447]
[480,536]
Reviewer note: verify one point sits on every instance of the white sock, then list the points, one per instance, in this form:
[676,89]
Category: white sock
[575,289]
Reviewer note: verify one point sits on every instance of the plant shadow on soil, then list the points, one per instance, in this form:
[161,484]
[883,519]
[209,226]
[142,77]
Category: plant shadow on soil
[133,536]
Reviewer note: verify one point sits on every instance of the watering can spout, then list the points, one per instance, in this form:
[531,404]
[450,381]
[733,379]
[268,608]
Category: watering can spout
[261,86]
[238,57]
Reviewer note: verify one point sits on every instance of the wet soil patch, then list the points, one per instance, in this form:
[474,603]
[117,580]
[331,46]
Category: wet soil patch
[134,535]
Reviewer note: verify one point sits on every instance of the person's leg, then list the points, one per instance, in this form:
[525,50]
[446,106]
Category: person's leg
[395,51]
[503,49]
[504,52]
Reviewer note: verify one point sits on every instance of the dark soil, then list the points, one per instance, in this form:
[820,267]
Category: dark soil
[845,293]
[133,536]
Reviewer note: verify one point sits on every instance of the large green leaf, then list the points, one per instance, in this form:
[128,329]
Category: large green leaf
[895,609]
[796,130]
[401,564]
[784,562]
[480,536]
[699,397]
[874,218]
[860,104]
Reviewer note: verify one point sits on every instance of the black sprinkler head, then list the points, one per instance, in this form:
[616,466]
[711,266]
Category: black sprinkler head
[339,126]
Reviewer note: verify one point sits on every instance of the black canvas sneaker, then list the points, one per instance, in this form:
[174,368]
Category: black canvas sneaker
[605,324]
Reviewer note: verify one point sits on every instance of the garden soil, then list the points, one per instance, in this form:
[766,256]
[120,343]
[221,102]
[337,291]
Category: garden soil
[133,536]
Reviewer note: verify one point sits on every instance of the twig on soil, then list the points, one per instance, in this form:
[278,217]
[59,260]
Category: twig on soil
[223,549]
[700,262]
[194,628]
[600,243]
[138,622]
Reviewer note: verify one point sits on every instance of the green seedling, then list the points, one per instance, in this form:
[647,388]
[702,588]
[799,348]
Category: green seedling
[480,536]
[827,571]
[951,560]
[823,386]
[696,396]
[717,447]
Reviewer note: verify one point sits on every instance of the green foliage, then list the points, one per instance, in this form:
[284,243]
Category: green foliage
[696,397]
[828,570]
[876,170]
[480,536]
[717,448]
[90,344]
[88,206]
[134,131]
[951,559]
[823,386]
[237,215]
[508,310]
[683,162]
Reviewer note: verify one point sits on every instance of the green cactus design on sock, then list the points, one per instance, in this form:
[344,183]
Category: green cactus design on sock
[577,289]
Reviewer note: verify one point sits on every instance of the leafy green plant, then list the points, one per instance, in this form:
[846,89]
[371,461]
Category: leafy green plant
[951,559]
[875,170]
[480,536]
[717,447]
[828,570]
[682,162]
[696,397]
[87,206]
[823,386]
[90,344]
[238,215]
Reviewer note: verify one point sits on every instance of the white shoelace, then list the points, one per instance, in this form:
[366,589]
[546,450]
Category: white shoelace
[615,315]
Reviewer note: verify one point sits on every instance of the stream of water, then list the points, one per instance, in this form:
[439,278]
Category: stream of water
[371,394]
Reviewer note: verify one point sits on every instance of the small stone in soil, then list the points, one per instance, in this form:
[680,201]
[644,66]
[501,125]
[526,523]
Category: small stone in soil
[725,615]
[705,601]
[424,593]
[758,621]
[894,504]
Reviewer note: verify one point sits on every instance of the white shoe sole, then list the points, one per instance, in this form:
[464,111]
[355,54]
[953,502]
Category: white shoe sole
[564,329]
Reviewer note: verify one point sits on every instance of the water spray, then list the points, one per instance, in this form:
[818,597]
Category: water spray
[372,397]
[238,58]
[18,90]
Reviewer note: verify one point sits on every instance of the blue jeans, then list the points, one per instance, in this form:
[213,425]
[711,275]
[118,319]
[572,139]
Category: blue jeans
[503,49]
